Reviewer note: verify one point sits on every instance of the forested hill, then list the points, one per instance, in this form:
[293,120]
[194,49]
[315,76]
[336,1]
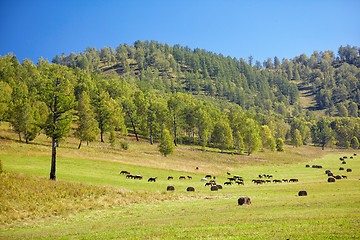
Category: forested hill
[282,87]
[149,90]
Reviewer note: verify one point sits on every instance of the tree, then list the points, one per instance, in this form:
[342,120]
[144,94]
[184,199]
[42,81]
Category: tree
[108,114]
[343,112]
[279,145]
[277,63]
[354,143]
[251,58]
[130,111]
[204,125]
[296,138]
[112,138]
[105,55]
[353,109]
[321,133]
[252,139]
[267,139]
[174,105]
[222,134]
[5,98]
[58,95]
[166,146]
[87,129]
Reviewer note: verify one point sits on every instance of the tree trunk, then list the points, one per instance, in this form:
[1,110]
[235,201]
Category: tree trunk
[133,125]
[54,139]
[80,144]
[53,160]
[175,139]
[102,134]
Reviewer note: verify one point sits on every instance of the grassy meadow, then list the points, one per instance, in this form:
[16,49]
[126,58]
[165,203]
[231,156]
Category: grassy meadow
[91,200]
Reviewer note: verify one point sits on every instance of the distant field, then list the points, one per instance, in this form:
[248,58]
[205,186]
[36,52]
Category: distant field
[330,211]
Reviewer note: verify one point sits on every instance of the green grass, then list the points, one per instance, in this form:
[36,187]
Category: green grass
[330,211]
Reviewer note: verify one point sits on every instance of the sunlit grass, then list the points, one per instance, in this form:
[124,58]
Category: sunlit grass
[92,200]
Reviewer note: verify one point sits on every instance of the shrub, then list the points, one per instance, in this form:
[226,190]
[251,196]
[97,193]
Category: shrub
[354,143]
[1,167]
[112,138]
[124,144]
[166,145]
[279,145]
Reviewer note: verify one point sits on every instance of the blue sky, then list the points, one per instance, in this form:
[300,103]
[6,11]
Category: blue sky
[34,29]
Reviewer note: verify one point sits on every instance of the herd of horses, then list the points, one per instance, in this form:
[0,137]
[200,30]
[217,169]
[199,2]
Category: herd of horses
[262,178]
[331,176]
[210,179]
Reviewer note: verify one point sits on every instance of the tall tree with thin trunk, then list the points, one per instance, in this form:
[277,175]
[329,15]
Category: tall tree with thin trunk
[222,134]
[58,95]
[252,139]
[87,129]
[175,105]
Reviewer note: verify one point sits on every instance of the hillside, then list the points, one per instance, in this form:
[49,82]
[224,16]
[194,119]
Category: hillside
[247,83]
[201,98]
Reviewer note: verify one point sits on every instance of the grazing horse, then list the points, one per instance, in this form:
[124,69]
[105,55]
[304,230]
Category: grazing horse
[227,183]
[189,177]
[129,176]
[124,172]
[208,184]
[240,183]
[182,177]
[170,177]
[152,179]
[294,180]
[138,177]
[208,176]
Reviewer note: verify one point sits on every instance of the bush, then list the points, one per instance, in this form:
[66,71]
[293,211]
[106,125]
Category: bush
[112,138]
[124,144]
[166,146]
[1,167]
[279,145]
[354,143]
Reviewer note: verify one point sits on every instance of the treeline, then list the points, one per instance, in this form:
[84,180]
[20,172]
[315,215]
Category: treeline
[49,97]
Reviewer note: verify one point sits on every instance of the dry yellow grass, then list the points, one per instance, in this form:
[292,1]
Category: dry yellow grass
[28,198]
